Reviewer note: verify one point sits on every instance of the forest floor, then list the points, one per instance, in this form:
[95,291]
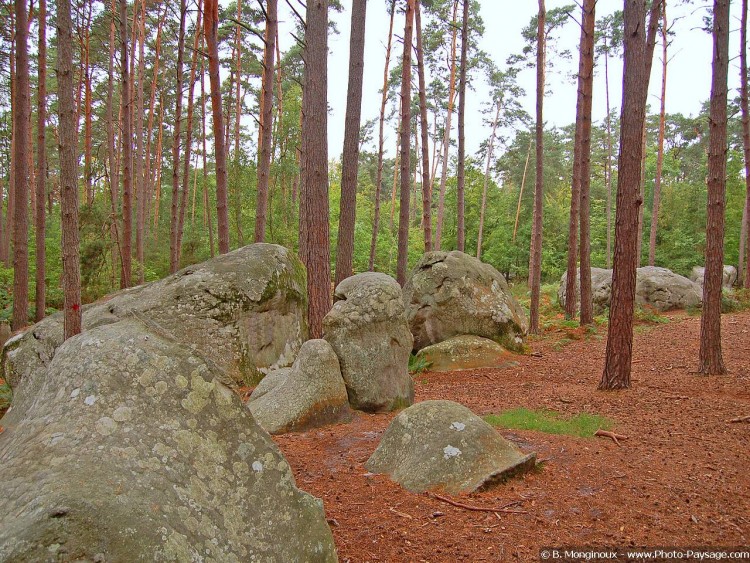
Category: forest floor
[681,479]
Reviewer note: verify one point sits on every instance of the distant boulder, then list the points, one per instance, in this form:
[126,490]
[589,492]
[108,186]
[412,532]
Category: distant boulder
[729,277]
[367,329]
[466,352]
[244,311]
[659,288]
[310,393]
[442,445]
[451,294]
[127,447]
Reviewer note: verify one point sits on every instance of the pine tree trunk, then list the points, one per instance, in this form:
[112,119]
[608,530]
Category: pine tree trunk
[587,71]
[571,301]
[21,169]
[608,167]
[350,160]
[211,25]
[520,191]
[447,134]
[88,174]
[403,219]
[41,145]
[314,212]
[127,146]
[140,189]
[10,209]
[426,185]
[639,45]
[461,180]
[206,208]
[174,252]
[266,121]
[710,358]
[744,261]
[660,142]
[483,207]
[381,141]
[535,254]
[113,172]
[71,277]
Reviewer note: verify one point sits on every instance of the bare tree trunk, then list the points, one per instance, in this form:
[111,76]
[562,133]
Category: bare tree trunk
[608,167]
[710,360]
[575,199]
[483,209]
[237,116]
[460,188]
[127,147]
[639,46]
[350,161]
[114,173]
[535,255]
[174,252]
[21,169]
[403,219]
[587,86]
[68,173]
[520,191]
[381,141]
[211,24]
[140,189]
[426,185]
[206,208]
[744,261]
[41,188]
[314,212]
[10,210]
[642,193]
[266,121]
[447,134]
[87,113]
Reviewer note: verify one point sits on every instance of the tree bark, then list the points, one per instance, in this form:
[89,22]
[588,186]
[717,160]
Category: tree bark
[403,219]
[266,121]
[381,142]
[174,252]
[461,180]
[71,277]
[608,167]
[535,262]
[314,212]
[587,86]
[211,28]
[660,142]
[21,170]
[483,208]
[744,258]
[636,70]
[710,358]
[114,173]
[140,185]
[127,149]
[350,159]
[41,177]
[426,185]
[447,133]
[88,173]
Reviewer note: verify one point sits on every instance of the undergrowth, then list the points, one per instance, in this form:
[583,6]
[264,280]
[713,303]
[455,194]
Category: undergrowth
[418,364]
[582,425]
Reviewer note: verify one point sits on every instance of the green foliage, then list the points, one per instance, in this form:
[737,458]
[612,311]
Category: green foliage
[649,315]
[582,425]
[418,364]
[6,396]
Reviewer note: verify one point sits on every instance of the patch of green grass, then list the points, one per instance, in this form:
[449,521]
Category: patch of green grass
[418,364]
[649,315]
[6,395]
[582,425]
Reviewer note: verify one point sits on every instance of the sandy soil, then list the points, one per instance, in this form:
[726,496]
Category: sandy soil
[681,479]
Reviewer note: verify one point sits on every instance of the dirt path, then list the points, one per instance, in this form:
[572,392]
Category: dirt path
[680,480]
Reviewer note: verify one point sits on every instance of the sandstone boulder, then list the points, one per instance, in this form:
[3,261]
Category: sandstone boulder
[127,447]
[367,329]
[244,311]
[451,294]
[727,282]
[659,288]
[311,393]
[442,445]
[466,352]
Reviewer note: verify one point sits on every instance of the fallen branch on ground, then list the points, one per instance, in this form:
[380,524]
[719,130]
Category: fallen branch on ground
[503,508]
[402,514]
[607,434]
[740,419]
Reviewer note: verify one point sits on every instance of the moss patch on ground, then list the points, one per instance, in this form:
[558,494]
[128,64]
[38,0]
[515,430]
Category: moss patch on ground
[582,425]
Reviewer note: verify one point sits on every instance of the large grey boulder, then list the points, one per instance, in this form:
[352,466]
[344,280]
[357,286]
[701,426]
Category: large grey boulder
[729,276]
[656,287]
[367,329]
[466,352]
[244,311]
[128,448]
[601,289]
[443,445]
[311,393]
[451,293]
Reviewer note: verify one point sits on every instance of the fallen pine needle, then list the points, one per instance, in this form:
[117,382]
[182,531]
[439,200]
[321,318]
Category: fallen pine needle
[503,508]
[607,434]
[402,514]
